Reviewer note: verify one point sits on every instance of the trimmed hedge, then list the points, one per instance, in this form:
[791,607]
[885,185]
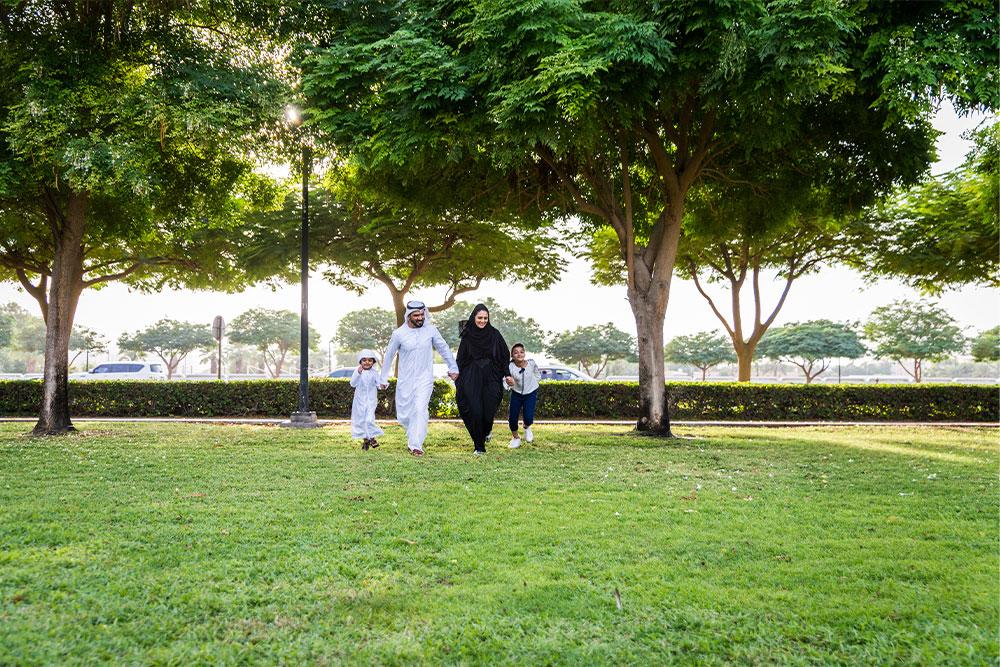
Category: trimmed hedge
[739,401]
[244,398]
[556,400]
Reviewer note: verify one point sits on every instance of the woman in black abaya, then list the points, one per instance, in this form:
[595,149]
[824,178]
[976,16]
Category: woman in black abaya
[482,365]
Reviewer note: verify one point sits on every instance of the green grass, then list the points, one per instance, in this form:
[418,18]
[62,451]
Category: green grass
[185,544]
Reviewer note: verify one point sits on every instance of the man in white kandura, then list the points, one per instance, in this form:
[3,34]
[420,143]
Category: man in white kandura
[415,342]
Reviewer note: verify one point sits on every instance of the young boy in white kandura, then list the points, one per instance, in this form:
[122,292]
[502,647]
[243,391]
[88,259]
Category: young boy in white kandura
[365,381]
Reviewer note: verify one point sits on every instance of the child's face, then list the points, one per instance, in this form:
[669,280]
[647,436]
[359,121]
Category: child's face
[517,354]
[367,363]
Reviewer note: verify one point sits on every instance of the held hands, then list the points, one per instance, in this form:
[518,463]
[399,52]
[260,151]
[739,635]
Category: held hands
[510,381]
[383,386]
[453,376]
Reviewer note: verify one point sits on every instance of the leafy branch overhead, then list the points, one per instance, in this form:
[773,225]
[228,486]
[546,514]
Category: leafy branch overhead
[364,238]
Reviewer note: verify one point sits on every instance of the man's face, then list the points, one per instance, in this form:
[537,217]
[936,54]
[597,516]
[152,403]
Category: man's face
[416,319]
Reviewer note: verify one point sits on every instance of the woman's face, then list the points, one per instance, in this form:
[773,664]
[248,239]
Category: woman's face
[482,317]
[517,354]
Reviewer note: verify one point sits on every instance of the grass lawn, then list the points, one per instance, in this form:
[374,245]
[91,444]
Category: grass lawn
[185,544]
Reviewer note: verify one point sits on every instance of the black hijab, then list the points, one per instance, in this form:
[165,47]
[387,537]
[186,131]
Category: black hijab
[485,343]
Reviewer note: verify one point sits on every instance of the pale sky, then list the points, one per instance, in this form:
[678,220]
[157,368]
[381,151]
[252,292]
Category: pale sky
[833,293]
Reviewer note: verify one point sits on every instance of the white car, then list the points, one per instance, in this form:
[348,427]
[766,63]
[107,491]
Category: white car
[564,374]
[123,370]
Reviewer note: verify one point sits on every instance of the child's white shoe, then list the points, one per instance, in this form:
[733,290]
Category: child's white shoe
[514,443]
[528,435]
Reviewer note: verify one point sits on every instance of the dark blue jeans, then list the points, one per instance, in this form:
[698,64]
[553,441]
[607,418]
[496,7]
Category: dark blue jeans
[517,402]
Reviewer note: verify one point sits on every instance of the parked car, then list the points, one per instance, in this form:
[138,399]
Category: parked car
[123,370]
[563,374]
[344,372]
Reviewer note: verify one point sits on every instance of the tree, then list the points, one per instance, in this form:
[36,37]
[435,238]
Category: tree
[373,229]
[168,339]
[83,340]
[986,346]
[513,327]
[916,331]
[128,134]
[593,346]
[7,323]
[943,232]
[366,329]
[702,350]
[272,332]
[811,345]
[614,112]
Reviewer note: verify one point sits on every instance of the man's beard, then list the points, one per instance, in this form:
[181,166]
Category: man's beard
[417,325]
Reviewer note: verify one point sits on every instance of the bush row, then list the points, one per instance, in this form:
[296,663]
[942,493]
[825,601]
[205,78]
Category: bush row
[735,401]
[557,400]
[247,398]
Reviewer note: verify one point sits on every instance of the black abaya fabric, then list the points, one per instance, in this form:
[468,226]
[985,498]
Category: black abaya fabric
[482,363]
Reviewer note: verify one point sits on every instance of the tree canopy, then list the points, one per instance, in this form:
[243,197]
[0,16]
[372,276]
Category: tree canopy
[614,112]
[943,232]
[513,327]
[986,346]
[129,133]
[910,330]
[383,232]
[168,339]
[702,350]
[593,347]
[272,332]
[370,328]
[811,345]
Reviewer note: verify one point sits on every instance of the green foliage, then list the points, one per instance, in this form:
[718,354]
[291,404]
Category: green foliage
[556,400]
[155,114]
[807,344]
[513,327]
[83,340]
[593,346]
[986,346]
[913,330]
[168,339]
[702,350]
[272,332]
[238,398]
[366,329]
[941,233]
[613,112]
[404,237]
[7,324]
[739,401]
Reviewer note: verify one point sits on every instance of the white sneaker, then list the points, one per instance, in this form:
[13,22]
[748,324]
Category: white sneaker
[514,443]
[528,435]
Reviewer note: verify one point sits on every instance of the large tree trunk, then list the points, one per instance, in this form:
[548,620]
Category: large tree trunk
[653,414]
[64,293]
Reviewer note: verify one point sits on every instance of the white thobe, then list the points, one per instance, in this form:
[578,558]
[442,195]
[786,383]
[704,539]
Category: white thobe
[416,376]
[363,408]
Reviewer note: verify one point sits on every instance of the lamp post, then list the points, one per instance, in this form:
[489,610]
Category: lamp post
[303,418]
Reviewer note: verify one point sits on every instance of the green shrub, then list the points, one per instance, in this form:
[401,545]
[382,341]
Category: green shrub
[556,400]
[244,398]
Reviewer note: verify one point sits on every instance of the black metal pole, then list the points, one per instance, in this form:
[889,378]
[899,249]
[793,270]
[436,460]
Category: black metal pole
[304,341]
